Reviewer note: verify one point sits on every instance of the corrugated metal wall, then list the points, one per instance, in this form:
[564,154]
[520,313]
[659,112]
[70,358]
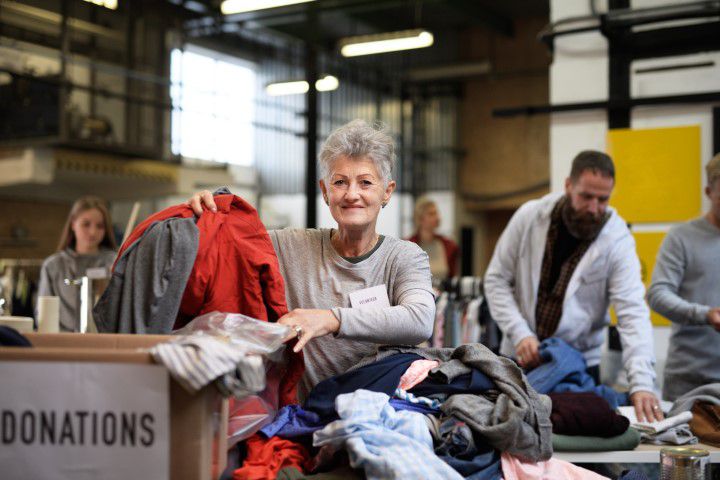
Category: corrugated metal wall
[424,128]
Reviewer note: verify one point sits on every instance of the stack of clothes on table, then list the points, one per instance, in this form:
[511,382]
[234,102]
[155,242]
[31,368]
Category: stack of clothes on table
[583,414]
[416,413]
[703,403]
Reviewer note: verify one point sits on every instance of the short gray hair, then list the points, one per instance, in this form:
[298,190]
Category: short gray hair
[713,170]
[358,139]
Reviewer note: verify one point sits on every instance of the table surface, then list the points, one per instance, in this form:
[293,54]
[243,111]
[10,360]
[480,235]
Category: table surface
[642,454]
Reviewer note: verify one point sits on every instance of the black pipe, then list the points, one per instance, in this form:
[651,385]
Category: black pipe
[629,103]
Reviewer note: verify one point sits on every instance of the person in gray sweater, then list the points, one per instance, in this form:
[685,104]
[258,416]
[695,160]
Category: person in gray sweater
[685,290]
[349,288]
[86,242]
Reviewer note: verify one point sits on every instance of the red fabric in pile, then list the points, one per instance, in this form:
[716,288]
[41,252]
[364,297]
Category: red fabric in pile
[266,457]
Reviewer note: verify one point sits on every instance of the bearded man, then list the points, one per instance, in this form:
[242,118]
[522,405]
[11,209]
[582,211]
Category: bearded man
[561,262]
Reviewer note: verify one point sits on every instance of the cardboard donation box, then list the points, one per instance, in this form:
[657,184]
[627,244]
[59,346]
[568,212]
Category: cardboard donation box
[94,406]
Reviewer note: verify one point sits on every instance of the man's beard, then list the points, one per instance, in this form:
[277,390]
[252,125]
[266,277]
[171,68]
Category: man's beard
[583,226]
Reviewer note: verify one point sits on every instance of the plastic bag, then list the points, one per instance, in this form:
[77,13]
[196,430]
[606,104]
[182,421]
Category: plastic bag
[249,414]
[253,336]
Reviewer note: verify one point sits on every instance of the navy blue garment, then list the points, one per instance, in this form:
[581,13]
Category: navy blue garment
[292,421]
[382,376]
[458,449]
[400,404]
[564,370]
[633,475]
[473,382]
[9,337]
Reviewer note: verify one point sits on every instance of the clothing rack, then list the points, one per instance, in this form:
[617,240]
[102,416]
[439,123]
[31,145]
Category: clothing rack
[462,315]
[17,286]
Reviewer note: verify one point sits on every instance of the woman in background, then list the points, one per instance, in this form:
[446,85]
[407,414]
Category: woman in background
[442,251]
[86,242]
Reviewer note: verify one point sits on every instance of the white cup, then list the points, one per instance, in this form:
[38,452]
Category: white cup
[48,314]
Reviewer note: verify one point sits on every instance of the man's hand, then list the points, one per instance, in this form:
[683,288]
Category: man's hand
[647,406]
[528,352]
[196,202]
[713,318]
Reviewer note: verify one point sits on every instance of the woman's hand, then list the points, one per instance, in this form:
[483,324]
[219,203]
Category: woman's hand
[199,199]
[308,324]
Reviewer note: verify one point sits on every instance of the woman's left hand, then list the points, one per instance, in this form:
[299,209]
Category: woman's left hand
[308,324]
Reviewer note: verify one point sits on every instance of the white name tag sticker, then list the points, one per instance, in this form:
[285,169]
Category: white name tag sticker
[373,297]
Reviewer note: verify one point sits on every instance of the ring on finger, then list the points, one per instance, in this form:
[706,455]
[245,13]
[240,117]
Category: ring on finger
[298,330]
[655,407]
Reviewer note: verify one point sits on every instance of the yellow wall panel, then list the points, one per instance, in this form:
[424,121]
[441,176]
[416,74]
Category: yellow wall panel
[657,172]
[647,245]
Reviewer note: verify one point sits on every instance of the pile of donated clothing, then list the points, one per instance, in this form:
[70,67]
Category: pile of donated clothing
[405,413]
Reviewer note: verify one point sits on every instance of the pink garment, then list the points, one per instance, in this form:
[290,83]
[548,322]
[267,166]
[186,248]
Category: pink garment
[416,373]
[515,469]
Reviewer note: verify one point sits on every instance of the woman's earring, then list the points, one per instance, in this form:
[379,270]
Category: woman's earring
[327,202]
[384,205]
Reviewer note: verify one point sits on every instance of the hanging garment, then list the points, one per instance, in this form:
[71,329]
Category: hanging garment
[585,413]
[554,469]
[292,421]
[265,458]
[235,270]
[385,443]
[196,361]
[438,337]
[383,376]
[564,370]
[578,443]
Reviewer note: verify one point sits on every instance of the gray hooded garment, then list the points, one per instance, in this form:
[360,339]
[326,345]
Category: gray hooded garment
[514,418]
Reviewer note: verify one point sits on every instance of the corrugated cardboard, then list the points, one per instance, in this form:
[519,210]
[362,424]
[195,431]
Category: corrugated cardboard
[198,423]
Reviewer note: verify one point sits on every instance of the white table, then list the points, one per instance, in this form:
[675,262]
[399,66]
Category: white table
[642,454]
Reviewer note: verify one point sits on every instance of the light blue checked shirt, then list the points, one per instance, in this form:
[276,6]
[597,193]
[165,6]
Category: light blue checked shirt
[387,444]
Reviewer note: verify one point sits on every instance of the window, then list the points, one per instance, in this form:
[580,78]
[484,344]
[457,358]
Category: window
[213,106]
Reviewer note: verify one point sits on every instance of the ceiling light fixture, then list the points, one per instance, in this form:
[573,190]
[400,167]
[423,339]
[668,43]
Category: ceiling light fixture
[324,84]
[229,7]
[111,4]
[385,42]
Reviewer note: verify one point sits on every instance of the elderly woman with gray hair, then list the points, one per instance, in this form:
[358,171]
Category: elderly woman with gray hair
[349,288]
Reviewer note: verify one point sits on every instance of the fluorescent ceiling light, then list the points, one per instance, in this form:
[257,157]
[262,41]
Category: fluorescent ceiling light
[325,84]
[240,6]
[111,4]
[385,42]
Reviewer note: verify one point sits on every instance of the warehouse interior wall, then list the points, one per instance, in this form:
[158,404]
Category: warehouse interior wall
[579,73]
[506,159]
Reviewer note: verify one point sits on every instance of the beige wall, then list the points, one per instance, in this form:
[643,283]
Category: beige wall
[503,155]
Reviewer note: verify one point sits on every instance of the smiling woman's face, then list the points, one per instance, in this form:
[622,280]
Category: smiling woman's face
[355,192]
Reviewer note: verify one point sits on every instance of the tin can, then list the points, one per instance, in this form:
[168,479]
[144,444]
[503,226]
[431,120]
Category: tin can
[684,463]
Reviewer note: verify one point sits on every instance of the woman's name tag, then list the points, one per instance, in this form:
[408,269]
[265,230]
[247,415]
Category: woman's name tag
[373,297]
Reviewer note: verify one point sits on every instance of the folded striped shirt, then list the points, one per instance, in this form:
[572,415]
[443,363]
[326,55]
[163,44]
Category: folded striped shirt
[196,361]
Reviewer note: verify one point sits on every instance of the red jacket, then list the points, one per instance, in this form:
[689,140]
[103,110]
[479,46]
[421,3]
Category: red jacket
[236,271]
[452,252]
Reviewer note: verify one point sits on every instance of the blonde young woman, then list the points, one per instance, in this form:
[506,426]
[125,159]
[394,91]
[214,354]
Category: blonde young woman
[87,241]
[328,272]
